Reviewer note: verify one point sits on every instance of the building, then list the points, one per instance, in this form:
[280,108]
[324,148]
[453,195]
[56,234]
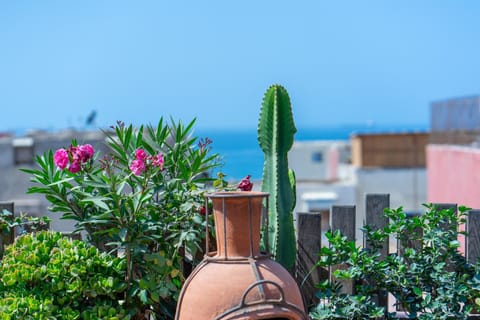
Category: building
[391,164]
[324,176]
[344,172]
[454,175]
[19,152]
[453,155]
[455,121]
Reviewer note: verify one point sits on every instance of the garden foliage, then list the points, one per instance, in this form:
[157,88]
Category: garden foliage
[142,201]
[48,276]
[429,277]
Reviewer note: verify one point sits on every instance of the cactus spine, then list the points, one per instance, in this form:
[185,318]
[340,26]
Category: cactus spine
[276,129]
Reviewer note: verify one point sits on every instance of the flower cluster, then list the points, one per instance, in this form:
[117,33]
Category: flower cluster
[73,157]
[245,184]
[142,160]
[141,198]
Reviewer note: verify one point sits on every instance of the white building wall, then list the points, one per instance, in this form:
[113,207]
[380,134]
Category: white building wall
[318,160]
[6,153]
[345,194]
[324,177]
[15,183]
[407,188]
[320,196]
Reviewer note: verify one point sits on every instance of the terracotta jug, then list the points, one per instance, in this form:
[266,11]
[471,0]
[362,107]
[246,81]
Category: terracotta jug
[239,281]
[237,223]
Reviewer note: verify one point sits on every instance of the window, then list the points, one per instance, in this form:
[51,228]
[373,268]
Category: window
[23,151]
[317,157]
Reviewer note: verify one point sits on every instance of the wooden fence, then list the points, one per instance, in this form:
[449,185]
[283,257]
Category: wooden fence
[309,240]
[8,234]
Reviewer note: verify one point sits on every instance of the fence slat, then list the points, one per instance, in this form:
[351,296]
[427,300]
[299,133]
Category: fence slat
[309,226]
[343,218]
[445,226]
[409,243]
[406,242]
[446,206]
[9,237]
[472,243]
[442,206]
[375,205]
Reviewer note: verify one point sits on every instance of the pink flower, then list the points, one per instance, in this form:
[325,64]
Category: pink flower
[75,153]
[60,158]
[74,166]
[87,151]
[158,161]
[245,184]
[140,154]
[82,153]
[137,167]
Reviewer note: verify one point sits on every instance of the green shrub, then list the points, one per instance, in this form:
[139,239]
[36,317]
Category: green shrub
[48,276]
[142,199]
[429,279]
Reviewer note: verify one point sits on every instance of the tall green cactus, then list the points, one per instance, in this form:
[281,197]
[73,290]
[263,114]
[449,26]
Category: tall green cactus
[275,137]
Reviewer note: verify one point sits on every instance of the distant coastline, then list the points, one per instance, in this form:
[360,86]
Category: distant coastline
[239,148]
[242,155]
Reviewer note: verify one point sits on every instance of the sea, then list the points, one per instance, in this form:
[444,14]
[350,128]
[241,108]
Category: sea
[241,155]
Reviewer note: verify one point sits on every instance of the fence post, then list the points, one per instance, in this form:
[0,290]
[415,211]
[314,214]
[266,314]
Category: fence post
[413,244]
[343,218]
[472,241]
[375,205]
[309,226]
[8,237]
[403,244]
[442,206]
[446,206]
[445,226]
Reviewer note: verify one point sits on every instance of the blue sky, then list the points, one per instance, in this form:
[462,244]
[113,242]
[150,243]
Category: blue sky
[342,62]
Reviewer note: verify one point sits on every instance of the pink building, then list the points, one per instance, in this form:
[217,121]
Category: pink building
[453,156]
[453,175]
[453,164]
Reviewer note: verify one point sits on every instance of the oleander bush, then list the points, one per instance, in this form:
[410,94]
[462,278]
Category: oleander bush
[142,201]
[48,276]
[429,277]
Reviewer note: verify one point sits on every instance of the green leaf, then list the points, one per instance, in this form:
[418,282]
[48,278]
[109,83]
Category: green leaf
[417,291]
[143,296]
[427,299]
[62,181]
[98,201]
